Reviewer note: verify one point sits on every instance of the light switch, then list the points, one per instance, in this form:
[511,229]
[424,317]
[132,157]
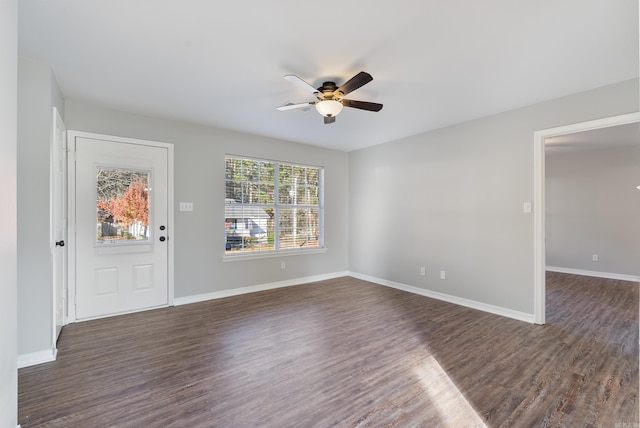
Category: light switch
[186,206]
[526,207]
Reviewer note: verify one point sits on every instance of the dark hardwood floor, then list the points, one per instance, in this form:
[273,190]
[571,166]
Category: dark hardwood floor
[347,353]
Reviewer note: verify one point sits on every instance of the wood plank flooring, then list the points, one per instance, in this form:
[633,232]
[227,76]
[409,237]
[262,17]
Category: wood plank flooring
[347,353]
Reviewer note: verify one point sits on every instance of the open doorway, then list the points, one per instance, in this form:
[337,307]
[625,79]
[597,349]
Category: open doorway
[540,140]
[593,204]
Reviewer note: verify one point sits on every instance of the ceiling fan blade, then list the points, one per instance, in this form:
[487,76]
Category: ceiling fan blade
[362,105]
[301,83]
[329,119]
[354,83]
[291,106]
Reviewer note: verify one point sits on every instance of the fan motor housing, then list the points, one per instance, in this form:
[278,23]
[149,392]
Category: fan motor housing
[327,90]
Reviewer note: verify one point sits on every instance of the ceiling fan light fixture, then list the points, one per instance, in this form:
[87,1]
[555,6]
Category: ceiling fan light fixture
[329,96]
[329,108]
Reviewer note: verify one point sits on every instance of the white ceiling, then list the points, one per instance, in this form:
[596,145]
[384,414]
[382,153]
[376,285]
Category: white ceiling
[434,62]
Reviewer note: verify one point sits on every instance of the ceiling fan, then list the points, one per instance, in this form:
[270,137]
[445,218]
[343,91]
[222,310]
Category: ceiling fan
[330,96]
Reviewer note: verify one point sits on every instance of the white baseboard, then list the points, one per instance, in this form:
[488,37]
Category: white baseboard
[496,310]
[34,358]
[607,275]
[253,288]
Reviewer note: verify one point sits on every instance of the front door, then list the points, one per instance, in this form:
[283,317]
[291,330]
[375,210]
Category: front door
[121,225]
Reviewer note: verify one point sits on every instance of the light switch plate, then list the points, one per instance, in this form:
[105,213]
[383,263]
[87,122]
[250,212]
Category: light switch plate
[186,206]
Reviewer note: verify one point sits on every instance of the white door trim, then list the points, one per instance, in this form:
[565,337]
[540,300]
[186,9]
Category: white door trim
[539,249]
[71,136]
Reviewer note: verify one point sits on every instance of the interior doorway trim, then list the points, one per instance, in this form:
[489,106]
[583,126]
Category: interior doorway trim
[539,197]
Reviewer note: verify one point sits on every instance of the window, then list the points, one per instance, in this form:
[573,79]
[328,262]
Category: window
[122,205]
[272,206]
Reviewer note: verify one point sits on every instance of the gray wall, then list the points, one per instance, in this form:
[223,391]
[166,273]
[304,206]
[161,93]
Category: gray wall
[38,92]
[8,234]
[593,207]
[448,200]
[452,200]
[199,178]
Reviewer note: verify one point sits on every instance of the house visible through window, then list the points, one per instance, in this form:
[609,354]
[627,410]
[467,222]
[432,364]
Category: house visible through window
[272,206]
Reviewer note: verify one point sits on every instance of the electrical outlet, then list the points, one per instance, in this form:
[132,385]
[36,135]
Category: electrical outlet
[283,265]
[423,271]
[443,275]
[594,257]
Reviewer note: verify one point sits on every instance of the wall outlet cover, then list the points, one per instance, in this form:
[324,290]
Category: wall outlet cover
[186,206]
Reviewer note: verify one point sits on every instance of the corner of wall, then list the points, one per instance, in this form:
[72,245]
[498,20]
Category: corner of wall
[8,212]
[38,92]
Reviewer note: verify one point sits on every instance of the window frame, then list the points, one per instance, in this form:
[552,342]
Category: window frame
[277,206]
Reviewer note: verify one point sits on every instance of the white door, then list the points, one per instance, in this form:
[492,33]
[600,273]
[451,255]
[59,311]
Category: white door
[121,226]
[59,222]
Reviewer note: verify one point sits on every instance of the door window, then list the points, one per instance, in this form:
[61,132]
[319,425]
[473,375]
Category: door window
[122,205]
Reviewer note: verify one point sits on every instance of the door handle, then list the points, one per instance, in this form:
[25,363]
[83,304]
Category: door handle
[162,239]
[59,243]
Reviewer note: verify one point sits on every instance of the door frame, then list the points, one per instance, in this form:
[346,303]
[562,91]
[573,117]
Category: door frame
[71,182]
[539,212]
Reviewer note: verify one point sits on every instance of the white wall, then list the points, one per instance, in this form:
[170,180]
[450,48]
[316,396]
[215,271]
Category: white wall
[199,178]
[452,200]
[8,235]
[38,92]
[593,207]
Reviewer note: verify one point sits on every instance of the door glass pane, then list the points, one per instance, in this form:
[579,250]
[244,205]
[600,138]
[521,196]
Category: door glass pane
[122,205]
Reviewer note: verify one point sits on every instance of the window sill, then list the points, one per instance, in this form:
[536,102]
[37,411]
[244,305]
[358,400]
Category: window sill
[271,254]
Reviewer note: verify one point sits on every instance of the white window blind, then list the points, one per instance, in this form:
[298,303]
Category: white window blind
[272,206]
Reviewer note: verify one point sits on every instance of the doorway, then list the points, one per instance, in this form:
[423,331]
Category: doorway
[120,198]
[539,212]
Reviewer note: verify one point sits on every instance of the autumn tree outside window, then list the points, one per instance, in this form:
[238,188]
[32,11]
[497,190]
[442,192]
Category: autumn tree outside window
[122,205]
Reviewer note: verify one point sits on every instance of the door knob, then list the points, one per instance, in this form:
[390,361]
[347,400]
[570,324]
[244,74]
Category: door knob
[162,239]
[162,227]
[59,243]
